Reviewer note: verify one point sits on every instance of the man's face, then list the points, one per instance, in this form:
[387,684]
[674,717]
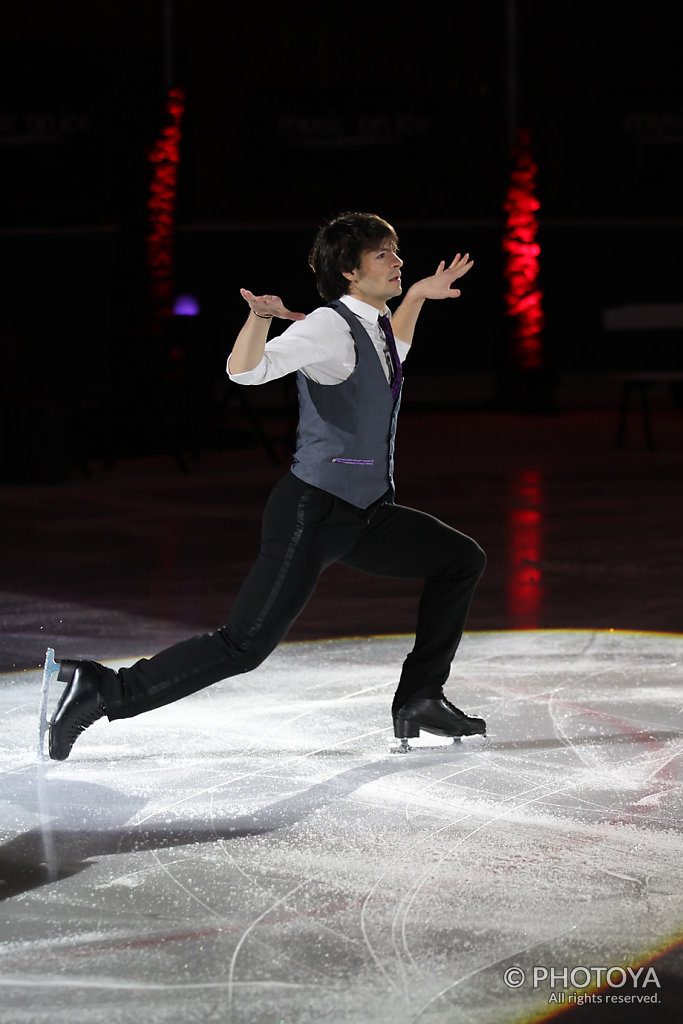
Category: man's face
[378,277]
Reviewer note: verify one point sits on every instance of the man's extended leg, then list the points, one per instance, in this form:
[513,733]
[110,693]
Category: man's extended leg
[297,544]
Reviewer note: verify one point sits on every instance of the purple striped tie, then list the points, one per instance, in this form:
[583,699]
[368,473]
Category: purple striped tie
[397,375]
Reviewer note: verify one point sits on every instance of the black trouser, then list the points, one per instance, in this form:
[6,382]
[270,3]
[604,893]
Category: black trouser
[305,530]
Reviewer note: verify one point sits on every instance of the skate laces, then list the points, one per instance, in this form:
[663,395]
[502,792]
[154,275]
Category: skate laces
[452,707]
[86,719]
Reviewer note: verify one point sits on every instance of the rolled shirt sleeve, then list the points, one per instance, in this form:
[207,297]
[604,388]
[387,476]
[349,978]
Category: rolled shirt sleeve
[321,346]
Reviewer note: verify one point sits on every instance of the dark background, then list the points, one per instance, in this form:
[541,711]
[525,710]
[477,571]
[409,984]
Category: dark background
[295,113]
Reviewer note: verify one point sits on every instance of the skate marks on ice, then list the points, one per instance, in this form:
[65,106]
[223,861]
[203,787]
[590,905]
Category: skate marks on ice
[68,840]
[257,852]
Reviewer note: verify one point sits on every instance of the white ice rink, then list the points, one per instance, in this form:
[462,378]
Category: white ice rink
[256,854]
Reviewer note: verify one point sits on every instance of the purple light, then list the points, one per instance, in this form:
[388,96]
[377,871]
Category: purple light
[186,305]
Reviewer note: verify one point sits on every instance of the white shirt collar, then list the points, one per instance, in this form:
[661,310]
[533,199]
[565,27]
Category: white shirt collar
[362,309]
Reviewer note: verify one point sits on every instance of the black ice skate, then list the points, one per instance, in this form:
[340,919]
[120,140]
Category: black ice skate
[435,716]
[80,705]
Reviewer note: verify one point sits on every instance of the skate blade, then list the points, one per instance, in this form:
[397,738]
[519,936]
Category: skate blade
[49,672]
[405,747]
[479,741]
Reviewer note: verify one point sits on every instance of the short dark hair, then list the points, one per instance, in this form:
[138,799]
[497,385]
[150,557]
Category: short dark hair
[339,245]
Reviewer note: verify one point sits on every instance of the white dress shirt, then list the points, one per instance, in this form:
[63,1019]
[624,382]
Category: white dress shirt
[321,346]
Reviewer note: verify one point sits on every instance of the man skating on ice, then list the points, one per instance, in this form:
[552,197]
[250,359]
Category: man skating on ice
[335,505]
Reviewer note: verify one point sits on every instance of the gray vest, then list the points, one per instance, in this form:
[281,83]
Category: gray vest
[345,438]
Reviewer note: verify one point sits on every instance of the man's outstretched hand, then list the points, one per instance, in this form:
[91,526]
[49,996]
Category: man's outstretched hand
[440,284]
[270,305]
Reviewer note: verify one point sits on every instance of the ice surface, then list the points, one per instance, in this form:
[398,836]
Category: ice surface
[256,853]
